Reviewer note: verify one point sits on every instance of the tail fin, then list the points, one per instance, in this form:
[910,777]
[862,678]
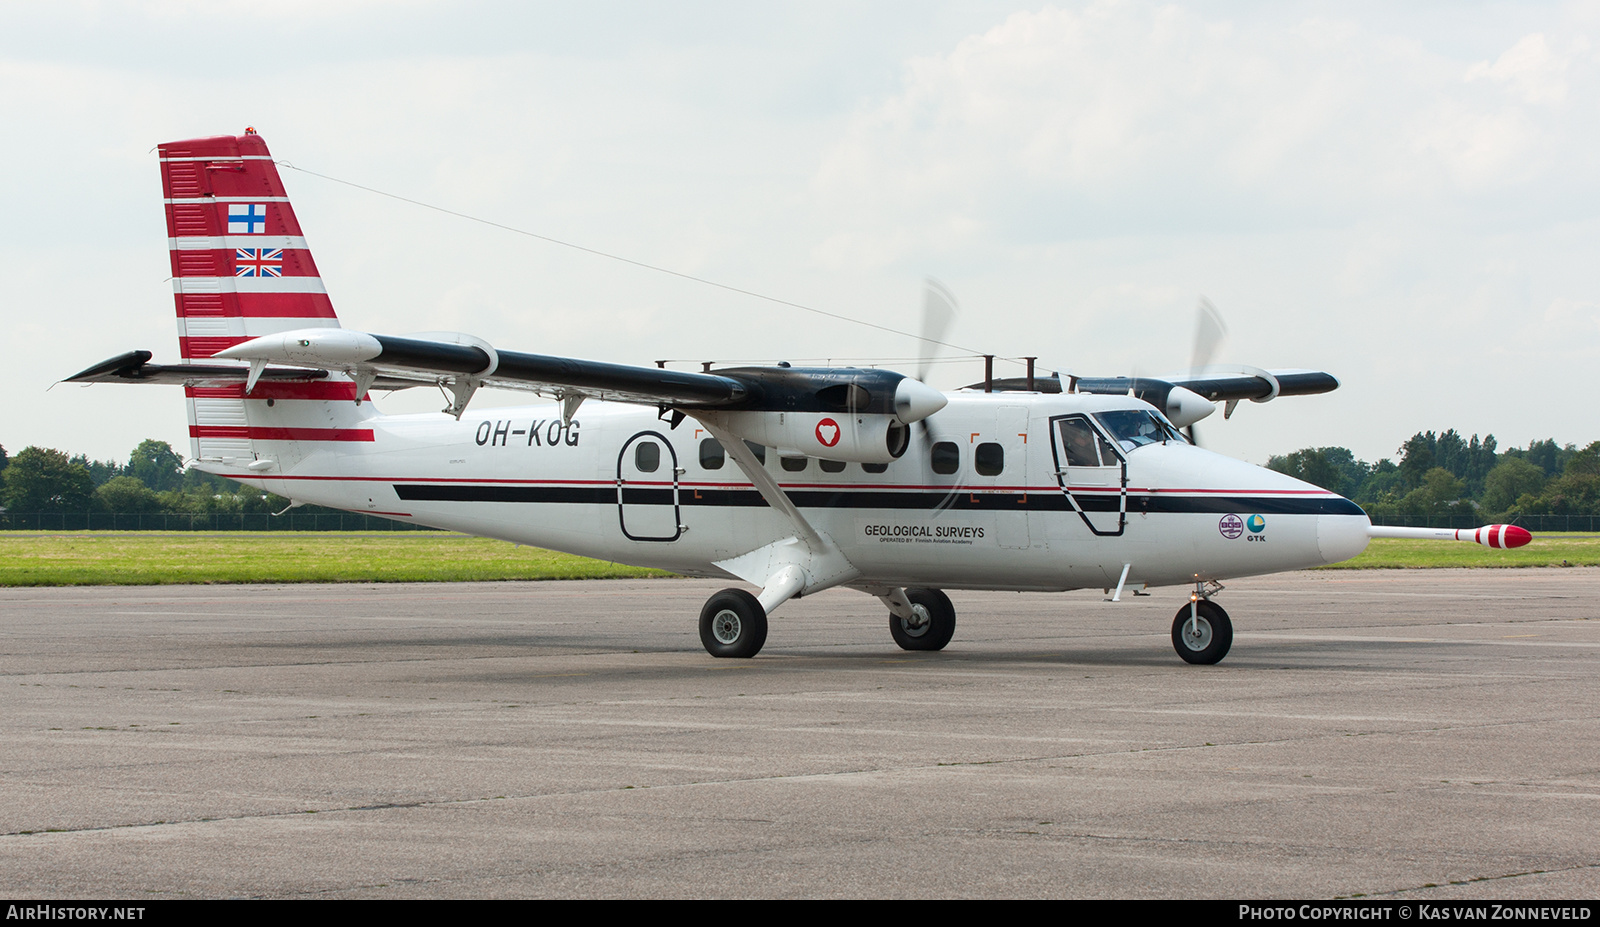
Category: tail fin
[240,270]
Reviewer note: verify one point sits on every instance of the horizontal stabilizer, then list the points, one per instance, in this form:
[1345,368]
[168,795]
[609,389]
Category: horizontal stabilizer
[134,367]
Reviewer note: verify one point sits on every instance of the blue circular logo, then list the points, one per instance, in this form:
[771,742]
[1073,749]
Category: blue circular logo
[1257,524]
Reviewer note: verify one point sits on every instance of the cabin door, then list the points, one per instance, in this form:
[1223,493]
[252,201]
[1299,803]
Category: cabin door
[1092,474]
[647,488]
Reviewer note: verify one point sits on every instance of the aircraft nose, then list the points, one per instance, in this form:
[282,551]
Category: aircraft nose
[1340,537]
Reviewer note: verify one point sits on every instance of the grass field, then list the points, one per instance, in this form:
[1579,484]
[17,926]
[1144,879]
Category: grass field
[98,558]
[1548,549]
[43,558]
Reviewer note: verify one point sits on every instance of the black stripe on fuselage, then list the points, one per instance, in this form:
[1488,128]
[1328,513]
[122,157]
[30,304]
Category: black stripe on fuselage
[956,499]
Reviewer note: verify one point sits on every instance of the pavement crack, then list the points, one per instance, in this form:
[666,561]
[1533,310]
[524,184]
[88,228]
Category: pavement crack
[1582,867]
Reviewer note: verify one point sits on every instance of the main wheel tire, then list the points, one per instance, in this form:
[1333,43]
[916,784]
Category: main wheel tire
[733,624]
[932,625]
[1211,637]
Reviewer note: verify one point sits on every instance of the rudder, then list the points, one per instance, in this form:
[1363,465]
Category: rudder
[240,270]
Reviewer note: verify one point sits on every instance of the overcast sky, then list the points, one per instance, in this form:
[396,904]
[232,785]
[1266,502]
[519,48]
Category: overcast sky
[1404,195]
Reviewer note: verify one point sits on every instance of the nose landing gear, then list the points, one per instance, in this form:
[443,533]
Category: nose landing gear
[1201,631]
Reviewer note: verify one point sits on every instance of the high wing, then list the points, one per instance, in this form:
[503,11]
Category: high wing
[1186,398]
[462,364]
[1229,384]
[405,362]
[1236,383]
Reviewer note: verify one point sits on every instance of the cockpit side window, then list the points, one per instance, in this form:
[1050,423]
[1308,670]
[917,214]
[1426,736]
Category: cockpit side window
[1083,445]
[1134,428]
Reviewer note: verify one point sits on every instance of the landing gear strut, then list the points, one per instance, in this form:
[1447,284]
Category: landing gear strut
[1201,632]
[733,624]
[932,622]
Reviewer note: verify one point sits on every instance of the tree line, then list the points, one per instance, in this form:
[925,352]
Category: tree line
[1436,475]
[1442,475]
[45,480]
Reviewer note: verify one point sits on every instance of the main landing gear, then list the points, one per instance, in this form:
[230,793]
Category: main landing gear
[733,622]
[1201,631]
[932,622]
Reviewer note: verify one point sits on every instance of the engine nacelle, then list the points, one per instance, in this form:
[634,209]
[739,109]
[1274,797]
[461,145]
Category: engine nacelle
[858,438]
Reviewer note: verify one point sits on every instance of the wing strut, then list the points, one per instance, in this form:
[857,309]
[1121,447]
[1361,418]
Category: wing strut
[764,483]
[805,562]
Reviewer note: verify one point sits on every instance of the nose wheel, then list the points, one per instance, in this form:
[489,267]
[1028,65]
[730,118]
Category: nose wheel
[932,622]
[1201,632]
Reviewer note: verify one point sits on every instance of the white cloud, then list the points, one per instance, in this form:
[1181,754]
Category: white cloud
[1531,68]
[1120,116]
[1393,196]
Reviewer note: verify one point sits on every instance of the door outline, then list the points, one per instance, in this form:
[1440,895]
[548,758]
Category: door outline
[643,509]
[1061,474]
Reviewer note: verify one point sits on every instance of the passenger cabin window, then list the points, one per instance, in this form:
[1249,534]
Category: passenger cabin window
[794,464]
[875,468]
[758,450]
[946,457]
[989,459]
[831,466]
[647,456]
[712,455]
[1083,445]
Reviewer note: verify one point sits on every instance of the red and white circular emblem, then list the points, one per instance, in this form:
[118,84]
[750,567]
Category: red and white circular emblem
[828,432]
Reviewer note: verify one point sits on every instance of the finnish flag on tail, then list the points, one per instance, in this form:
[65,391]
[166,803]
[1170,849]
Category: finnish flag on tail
[247,218]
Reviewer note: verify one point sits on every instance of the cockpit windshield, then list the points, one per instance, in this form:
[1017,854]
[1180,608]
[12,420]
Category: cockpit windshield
[1134,428]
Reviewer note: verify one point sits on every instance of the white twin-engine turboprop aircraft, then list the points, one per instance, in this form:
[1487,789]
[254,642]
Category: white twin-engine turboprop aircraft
[794,480]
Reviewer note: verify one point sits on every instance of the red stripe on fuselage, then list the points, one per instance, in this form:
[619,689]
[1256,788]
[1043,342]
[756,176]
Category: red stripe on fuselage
[280,434]
[877,487]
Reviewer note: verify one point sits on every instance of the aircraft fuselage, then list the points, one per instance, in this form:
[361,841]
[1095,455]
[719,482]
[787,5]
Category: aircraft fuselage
[985,496]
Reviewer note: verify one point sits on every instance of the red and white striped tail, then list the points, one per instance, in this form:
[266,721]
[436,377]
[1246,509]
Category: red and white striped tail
[240,265]
[240,269]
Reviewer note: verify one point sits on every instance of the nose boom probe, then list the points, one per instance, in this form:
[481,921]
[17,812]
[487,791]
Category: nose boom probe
[1496,536]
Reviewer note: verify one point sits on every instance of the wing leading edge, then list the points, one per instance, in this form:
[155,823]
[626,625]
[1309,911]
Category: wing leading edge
[461,364]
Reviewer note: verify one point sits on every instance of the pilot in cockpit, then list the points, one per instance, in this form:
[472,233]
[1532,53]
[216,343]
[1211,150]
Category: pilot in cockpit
[1080,444]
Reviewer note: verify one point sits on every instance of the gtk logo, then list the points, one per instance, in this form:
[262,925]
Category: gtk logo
[828,432]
